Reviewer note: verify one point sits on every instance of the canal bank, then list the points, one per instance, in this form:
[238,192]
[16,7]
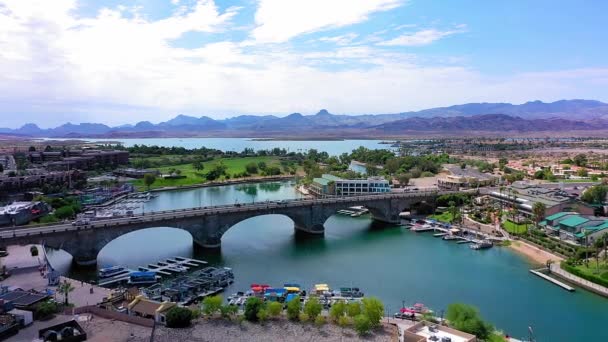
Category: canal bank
[385,261]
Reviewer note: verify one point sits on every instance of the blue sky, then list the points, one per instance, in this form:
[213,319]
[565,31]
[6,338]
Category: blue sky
[124,61]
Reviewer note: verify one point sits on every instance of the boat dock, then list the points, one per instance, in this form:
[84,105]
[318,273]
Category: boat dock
[167,268]
[440,234]
[553,280]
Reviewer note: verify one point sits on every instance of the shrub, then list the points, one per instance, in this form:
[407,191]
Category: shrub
[353,309]
[337,310]
[178,317]
[228,311]
[262,315]
[466,318]
[362,324]
[46,309]
[275,309]
[343,321]
[34,251]
[313,308]
[303,317]
[251,168]
[601,280]
[212,304]
[320,320]
[373,310]
[293,308]
[252,306]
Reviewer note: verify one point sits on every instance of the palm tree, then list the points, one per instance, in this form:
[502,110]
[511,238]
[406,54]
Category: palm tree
[538,212]
[453,209]
[65,288]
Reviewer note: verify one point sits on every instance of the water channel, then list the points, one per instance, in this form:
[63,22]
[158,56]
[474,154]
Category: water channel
[388,262]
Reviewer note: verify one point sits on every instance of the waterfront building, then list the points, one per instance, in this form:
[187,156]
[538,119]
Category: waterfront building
[19,213]
[465,178]
[524,195]
[335,186]
[26,182]
[572,226]
[146,308]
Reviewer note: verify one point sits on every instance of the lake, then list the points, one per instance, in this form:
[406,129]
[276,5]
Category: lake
[389,262]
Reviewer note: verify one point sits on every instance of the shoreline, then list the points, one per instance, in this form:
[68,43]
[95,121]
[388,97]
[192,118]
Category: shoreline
[533,253]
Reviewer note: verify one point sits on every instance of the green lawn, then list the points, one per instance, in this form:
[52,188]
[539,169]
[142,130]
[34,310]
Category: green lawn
[514,228]
[233,166]
[443,217]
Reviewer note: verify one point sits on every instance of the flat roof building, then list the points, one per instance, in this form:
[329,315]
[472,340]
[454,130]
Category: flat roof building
[335,186]
[575,227]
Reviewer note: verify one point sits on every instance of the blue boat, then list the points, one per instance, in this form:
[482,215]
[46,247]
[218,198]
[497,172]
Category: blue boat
[137,278]
[107,272]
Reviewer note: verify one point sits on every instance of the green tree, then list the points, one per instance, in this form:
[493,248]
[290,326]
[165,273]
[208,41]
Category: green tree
[353,309]
[403,179]
[313,307]
[595,194]
[212,304]
[392,165]
[538,212]
[466,318]
[46,309]
[149,179]
[34,251]
[253,305]
[373,309]
[179,317]
[251,168]
[65,288]
[582,172]
[262,165]
[580,160]
[362,324]
[198,165]
[293,308]
[274,309]
[337,310]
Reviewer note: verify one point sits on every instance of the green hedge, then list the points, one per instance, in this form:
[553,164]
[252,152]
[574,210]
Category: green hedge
[590,277]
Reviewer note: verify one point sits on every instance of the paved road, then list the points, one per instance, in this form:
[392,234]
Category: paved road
[9,232]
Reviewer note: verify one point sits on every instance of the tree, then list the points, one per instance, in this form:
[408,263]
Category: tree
[34,251]
[580,160]
[362,324]
[212,304]
[373,309]
[274,309]
[392,165]
[179,317]
[502,162]
[371,170]
[251,168]
[65,288]
[293,308]
[337,310]
[198,165]
[403,179]
[45,309]
[313,308]
[582,172]
[538,212]
[353,309]
[466,318]
[253,305]
[453,210]
[262,165]
[595,194]
[149,179]
[32,149]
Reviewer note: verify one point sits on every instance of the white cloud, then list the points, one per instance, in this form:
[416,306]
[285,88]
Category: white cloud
[117,68]
[422,37]
[280,20]
[344,39]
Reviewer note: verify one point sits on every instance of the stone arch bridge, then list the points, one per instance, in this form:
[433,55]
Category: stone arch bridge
[208,224]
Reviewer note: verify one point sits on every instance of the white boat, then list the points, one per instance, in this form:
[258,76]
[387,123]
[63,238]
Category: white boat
[112,271]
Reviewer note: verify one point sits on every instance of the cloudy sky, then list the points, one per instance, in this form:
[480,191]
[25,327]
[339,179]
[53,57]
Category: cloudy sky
[119,61]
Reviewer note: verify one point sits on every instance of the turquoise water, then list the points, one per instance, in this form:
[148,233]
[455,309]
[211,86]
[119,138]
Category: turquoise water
[239,144]
[389,262]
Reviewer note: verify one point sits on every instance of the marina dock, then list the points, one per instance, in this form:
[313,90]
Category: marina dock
[167,268]
[554,281]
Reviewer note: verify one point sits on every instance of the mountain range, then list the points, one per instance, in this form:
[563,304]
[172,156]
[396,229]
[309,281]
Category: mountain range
[535,116]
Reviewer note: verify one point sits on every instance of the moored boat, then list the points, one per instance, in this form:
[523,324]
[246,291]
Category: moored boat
[112,271]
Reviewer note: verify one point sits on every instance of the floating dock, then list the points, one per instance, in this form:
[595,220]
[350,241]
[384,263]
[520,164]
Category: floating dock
[553,280]
[167,268]
[440,234]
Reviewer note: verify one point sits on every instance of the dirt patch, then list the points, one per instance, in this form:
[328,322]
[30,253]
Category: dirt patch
[205,330]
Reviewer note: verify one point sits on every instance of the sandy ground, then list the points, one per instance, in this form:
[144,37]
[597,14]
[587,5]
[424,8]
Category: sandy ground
[535,254]
[281,330]
[98,329]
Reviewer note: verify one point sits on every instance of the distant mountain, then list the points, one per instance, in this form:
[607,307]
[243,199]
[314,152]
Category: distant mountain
[487,123]
[532,116]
